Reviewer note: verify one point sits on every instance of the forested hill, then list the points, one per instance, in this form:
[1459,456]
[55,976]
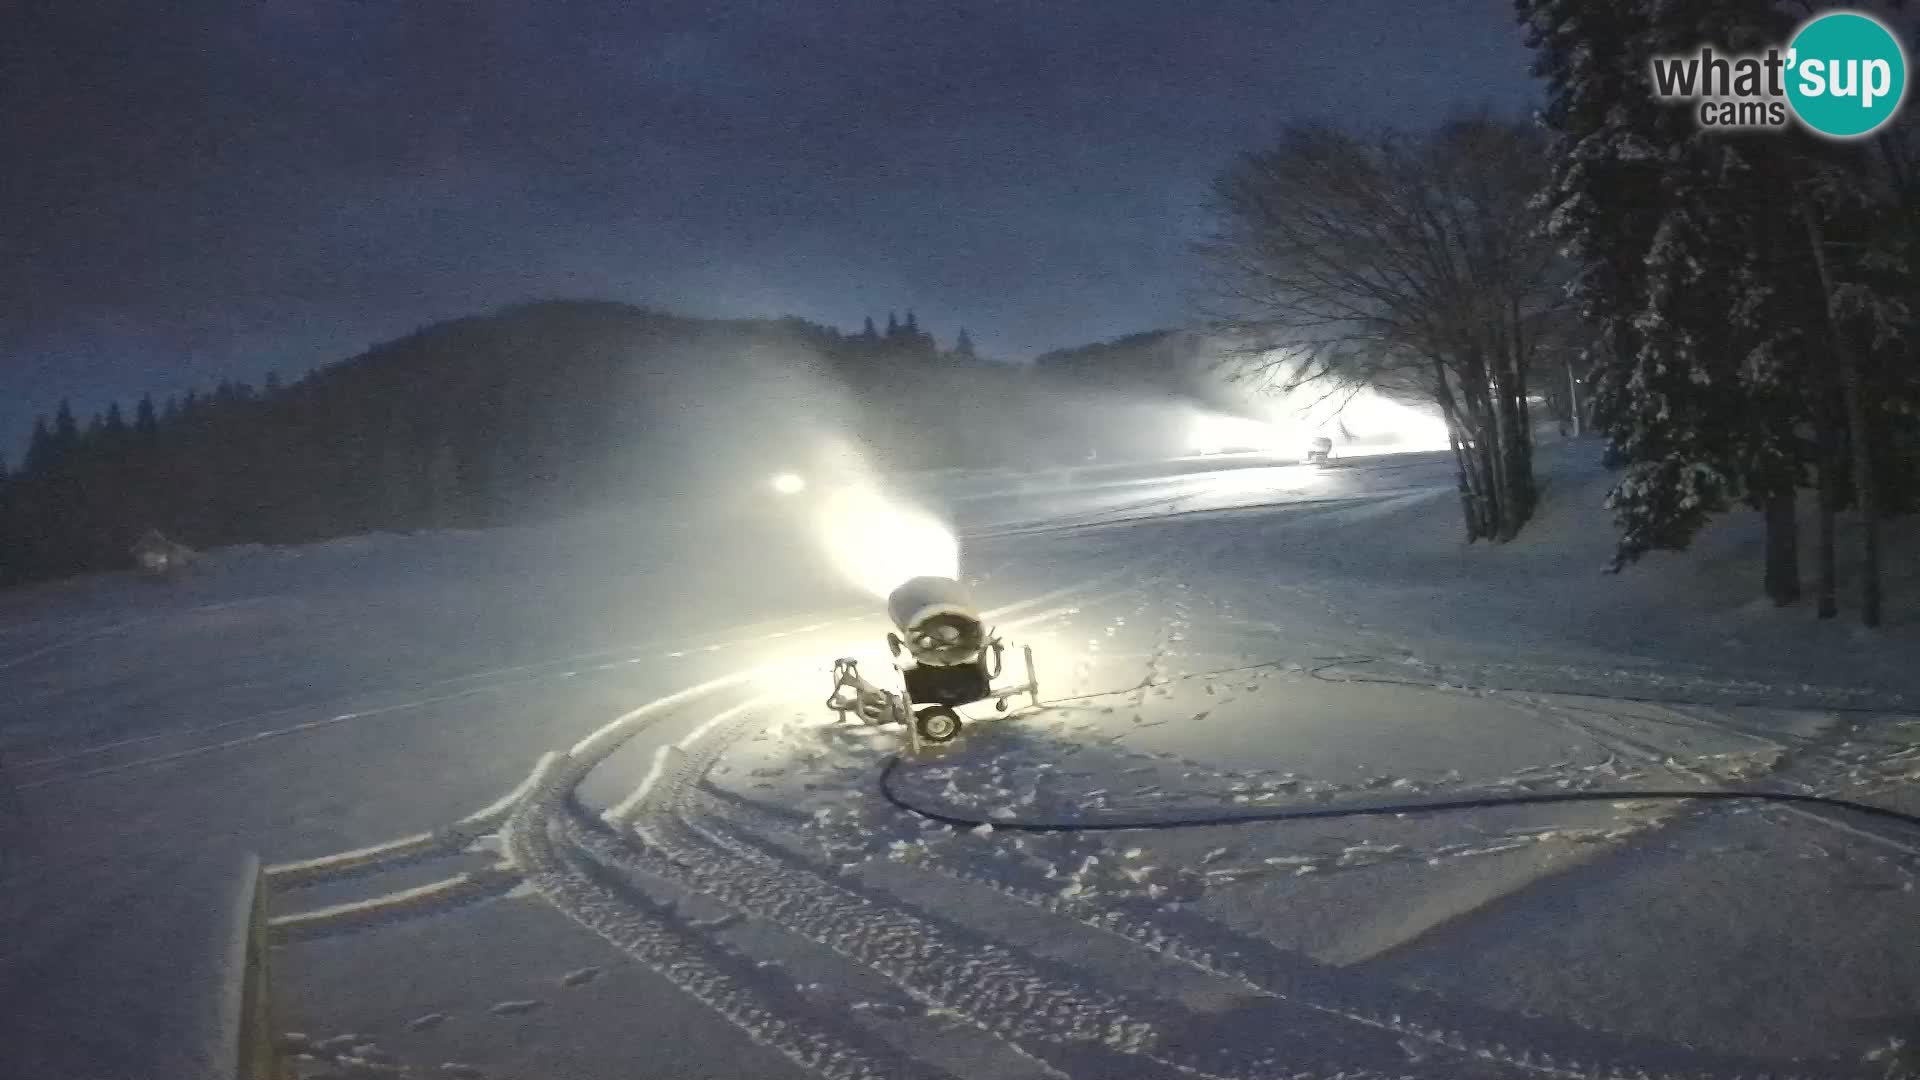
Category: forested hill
[530,410]
[1168,361]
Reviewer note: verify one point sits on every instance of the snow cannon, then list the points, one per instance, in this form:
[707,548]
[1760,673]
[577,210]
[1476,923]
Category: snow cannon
[946,657]
[937,622]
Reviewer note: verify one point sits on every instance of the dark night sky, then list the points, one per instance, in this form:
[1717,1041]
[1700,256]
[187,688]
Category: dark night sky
[198,189]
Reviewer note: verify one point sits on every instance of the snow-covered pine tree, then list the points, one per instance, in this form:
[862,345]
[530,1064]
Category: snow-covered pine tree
[66,431]
[41,451]
[145,423]
[1602,191]
[1687,369]
[1670,409]
[1606,196]
[1856,242]
[1775,301]
[1897,449]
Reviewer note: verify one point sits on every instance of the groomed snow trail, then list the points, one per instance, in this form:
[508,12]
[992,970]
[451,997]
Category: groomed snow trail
[723,981]
[937,962]
[1295,1018]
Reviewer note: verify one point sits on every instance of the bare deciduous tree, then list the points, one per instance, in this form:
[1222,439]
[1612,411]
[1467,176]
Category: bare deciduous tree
[1408,264]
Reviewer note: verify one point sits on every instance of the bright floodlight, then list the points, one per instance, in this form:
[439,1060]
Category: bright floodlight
[1400,428]
[787,483]
[1212,433]
[877,544]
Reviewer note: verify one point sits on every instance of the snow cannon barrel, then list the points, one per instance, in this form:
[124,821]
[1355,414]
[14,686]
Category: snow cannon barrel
[937,620]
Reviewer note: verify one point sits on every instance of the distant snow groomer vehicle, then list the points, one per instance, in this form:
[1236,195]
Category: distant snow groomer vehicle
[1320,451]
[158,557]
[951,659]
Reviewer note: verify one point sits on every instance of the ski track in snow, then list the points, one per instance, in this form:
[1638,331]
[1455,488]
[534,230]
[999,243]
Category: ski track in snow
[722,846]
[689,959]
[1436,1038]
[1043,1013]
[686,956]
[677,835]
[500,679]
[1321,996]
[937,963]
[76,640]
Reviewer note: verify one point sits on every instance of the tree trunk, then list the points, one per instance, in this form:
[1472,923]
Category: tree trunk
[1511,434]
[1573,398]
[1868,502]
[1499,443]
[1527,495]
[1829,496]
[1486,448]
[1459,439]
[1858,443]
[1461,474]
[1486,480]
[1783,550]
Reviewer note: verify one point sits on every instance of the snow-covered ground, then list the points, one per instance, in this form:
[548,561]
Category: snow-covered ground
[564,801]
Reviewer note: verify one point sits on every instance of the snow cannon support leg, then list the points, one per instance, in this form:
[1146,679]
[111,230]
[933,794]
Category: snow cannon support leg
[854,695]
[1031,687]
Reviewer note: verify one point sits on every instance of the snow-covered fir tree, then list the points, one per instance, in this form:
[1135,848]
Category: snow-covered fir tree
[1724,368]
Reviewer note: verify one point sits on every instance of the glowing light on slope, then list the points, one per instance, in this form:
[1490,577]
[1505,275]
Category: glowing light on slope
[1401,428]
[1211,433]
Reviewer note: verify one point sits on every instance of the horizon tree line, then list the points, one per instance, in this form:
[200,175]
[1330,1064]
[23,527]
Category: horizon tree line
[476,422]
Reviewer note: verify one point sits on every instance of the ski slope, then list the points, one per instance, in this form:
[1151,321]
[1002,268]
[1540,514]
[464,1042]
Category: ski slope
[563,800]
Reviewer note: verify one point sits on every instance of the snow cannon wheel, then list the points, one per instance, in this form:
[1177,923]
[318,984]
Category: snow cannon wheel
[937,724]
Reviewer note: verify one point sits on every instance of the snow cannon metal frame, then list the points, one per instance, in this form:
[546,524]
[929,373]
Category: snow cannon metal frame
[946,658]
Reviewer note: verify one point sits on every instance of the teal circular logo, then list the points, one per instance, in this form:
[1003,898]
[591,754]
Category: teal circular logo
[1846,74]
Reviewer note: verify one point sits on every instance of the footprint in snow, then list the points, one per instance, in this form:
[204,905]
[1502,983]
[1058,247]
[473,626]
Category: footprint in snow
[515,1008]
[371,1052]
[422,1023]
[580,976]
